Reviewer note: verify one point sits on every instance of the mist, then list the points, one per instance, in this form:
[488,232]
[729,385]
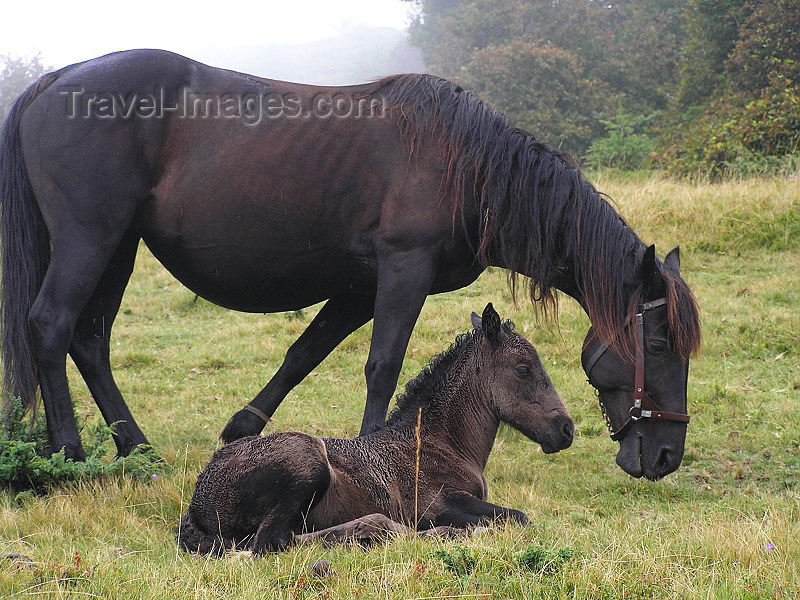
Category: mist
[359,53]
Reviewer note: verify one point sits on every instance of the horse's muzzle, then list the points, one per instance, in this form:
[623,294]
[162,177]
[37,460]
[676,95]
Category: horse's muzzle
[559,435]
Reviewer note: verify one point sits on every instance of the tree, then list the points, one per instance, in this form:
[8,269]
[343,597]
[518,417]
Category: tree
[16,75]
[449,33]
[556,67]
[641,53]
[715,82]
[712,28]
[541,90]
[768,45]
[747,119]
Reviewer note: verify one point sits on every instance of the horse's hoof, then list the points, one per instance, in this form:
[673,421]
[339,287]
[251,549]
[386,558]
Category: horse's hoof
[74,453]
[321,569]
[242,424]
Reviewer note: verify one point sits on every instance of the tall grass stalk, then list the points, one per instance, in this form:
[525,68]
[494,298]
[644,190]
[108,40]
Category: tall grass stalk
[418,437]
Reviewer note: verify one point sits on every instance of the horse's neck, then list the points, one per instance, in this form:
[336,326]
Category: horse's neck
[592,293]
[590,246]
[465,422]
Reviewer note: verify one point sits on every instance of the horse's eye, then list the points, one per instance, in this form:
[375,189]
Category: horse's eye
[523,370]
[658,346]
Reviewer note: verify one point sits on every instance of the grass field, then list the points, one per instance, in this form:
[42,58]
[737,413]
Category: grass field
[725,525]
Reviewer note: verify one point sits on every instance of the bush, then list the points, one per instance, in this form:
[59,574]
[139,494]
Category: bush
[623,147]
[26,462]
[737,136]
[543,561]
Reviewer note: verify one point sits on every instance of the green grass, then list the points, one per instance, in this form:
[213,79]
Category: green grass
[725,525]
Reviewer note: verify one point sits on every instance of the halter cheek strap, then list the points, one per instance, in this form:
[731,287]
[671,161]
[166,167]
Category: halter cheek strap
[644,407]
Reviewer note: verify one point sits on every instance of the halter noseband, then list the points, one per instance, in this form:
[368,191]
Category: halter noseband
[644,407]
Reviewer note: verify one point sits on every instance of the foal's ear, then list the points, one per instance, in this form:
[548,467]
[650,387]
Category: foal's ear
[476,320]
[490,323]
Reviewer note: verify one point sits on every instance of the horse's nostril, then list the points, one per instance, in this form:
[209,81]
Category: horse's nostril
[568,429]
[664,460]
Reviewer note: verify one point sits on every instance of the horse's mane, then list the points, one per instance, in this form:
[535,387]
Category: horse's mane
[538,215]
[420,391]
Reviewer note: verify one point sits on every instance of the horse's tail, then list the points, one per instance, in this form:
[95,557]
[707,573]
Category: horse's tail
[25,247]
[193,538]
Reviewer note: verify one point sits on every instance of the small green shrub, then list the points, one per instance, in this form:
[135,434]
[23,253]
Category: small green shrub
[624,147]
[27,464]
[543,561]
[459,560]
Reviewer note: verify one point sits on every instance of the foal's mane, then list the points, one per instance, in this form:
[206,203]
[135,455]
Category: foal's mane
[421,390]
[538,215]
[425,387]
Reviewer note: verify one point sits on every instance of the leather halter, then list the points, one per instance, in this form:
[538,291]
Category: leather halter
[644,407]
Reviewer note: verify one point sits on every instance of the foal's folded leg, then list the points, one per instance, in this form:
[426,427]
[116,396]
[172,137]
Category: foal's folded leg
[370,529]
[293,476]
[464,510]
[364,530]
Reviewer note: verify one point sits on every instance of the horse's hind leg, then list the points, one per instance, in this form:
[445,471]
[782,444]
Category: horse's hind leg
[337,319]
[70,280]
[90,346]
[262,488]
[84,237]
[295,481]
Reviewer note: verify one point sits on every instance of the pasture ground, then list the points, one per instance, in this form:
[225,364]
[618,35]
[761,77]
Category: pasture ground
[726,525]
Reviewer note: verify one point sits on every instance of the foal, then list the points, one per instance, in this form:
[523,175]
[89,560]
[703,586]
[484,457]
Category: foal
[423,470]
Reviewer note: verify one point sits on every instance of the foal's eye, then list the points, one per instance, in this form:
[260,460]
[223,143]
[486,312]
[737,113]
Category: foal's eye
[523,370]
[658,346]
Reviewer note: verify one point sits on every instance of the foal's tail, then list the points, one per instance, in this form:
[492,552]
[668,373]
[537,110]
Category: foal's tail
[25,253]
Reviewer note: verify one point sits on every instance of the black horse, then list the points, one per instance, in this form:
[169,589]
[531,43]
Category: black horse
[265,196]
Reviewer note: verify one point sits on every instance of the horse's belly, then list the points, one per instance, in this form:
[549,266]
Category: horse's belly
[258,279]
[256,249]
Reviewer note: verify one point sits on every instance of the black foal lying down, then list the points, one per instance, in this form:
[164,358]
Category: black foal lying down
[423,470]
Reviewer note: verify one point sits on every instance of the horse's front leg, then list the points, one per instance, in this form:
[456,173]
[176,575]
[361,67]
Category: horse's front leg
[464,510]
[404,281]
[337,319]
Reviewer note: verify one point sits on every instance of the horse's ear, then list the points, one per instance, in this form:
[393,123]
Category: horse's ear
[673,260]
[490,323]
[648,265]
[649,271]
